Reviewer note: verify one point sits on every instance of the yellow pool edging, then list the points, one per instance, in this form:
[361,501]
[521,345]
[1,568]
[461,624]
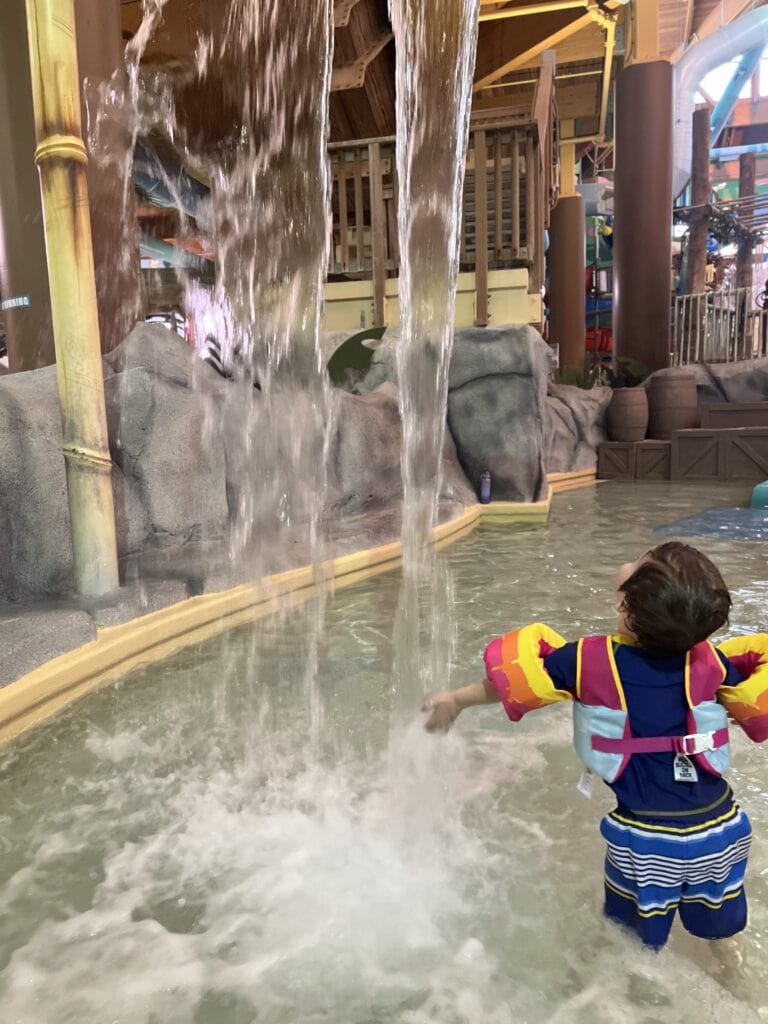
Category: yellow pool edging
[118,650]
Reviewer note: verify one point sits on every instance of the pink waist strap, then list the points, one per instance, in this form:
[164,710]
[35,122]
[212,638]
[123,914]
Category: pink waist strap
[695,743]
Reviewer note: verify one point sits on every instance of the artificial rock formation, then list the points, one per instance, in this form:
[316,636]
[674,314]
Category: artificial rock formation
[192,454]
[35,551]
[497,388]
[743,381]
[574,427]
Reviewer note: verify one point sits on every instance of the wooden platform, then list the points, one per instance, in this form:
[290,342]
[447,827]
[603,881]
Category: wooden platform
[727,415]
[739,453]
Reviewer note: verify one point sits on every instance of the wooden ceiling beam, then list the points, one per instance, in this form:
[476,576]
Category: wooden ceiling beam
[610,45]
[688,30]
[722,14]
[540,8]
[352,76]
[341,12]
[550,42]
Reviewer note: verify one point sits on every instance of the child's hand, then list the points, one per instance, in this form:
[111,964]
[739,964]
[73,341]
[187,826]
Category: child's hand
[443,711]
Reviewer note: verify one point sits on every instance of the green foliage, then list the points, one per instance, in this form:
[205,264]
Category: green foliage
[626,373]
[352,354]
[724,225]
[569,375]
[727,229]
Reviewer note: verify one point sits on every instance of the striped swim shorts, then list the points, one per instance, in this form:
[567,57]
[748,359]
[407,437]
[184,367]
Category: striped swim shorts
[654,869]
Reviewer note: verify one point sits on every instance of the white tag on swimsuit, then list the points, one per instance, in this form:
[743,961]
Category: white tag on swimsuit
[684,769]
[586,784]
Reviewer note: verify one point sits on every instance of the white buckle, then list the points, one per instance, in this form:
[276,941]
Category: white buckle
[697,742]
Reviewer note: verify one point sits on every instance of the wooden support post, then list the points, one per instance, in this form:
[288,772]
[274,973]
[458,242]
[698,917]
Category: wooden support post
[745,254]
[697,238]
[541,206]
[378,233]
[498,201]
[530,209]
[359,213]
[515,196]
[343,214]
[745,258]
[481,229]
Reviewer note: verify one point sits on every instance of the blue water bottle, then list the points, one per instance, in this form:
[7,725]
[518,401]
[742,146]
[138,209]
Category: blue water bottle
[485,488]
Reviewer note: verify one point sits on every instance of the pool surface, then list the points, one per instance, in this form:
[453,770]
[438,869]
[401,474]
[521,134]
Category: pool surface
[183,848]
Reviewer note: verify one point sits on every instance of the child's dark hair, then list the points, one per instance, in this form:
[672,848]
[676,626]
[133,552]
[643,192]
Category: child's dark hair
[675,599]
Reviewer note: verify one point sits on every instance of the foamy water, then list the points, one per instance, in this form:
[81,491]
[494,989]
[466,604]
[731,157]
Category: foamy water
[172,853]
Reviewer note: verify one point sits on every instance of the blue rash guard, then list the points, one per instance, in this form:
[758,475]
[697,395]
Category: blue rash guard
[654,688]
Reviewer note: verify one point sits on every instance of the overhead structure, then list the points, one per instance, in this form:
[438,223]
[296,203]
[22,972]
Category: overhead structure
[748,32]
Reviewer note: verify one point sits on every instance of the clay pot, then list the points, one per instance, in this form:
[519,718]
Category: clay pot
[627,416]
[672,404]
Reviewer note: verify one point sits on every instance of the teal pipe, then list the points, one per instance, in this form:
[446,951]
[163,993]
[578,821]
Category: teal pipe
[726,153]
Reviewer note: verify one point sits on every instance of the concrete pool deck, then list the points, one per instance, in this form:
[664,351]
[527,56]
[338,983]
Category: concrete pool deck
[102,648]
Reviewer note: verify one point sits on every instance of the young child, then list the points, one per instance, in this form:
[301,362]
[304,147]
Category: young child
[651,707]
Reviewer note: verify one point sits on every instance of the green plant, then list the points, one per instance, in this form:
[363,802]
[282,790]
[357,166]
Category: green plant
[626,373]
[726,227]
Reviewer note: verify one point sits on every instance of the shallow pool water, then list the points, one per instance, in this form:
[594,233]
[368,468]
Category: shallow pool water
[179,849]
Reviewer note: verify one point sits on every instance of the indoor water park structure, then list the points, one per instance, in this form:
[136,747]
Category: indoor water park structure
[348,349]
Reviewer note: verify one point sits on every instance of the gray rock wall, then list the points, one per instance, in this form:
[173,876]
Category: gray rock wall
[574,427]
[496,404]
[192,454]
[35,546]
[742,381]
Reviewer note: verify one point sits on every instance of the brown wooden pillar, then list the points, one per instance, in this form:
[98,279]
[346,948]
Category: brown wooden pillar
[116,259]
[699,225]
[745,253]
[566,281]
[643,213]
[23,267]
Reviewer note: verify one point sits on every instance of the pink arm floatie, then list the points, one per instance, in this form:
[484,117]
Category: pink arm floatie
[514,666]
[747,703]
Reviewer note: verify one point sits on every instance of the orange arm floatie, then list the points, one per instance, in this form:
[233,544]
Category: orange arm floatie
[747,703]
[514,666]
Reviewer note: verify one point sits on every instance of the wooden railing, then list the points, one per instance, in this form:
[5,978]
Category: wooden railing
[510,185]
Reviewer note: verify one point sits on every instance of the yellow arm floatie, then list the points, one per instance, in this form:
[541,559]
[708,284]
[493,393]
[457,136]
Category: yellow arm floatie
[747,703]
[514,665]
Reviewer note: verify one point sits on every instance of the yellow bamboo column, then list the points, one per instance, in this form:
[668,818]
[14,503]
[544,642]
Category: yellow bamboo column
[61,160]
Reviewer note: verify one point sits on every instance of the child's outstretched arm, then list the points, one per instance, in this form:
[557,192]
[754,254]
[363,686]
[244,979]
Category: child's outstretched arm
[444,708]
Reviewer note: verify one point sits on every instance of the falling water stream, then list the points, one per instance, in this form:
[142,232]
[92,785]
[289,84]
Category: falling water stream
[436,44]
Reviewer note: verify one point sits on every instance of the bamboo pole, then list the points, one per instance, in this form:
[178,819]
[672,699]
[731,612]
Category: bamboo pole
[61,159]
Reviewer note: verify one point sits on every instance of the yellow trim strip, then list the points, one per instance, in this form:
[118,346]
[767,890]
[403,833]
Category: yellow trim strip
[579,646]
[688,679]
[727,795]
[708,903]
[118,650]
[615,672]
[671,828]
[673,905]
[633,899]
